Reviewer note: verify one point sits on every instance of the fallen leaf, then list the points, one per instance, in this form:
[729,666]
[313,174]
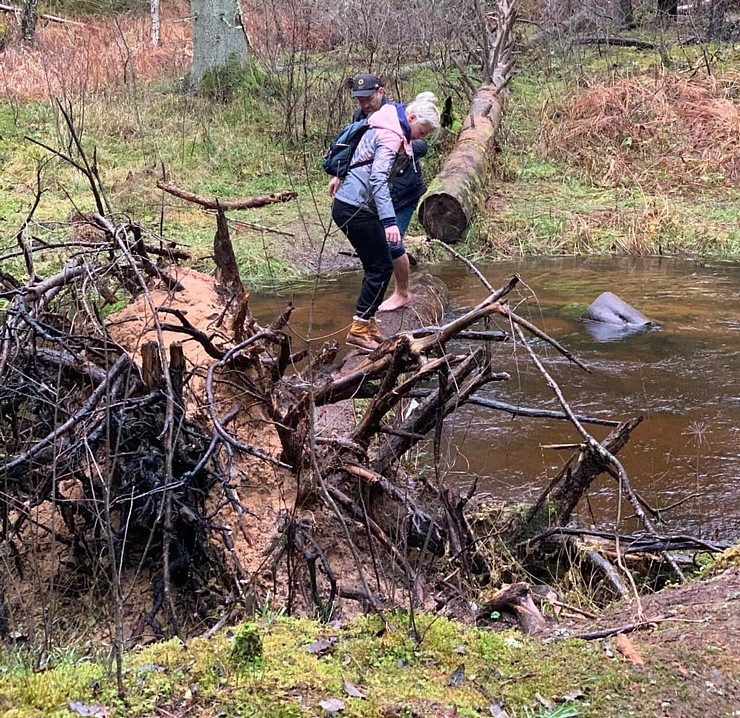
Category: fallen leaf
[83,709]
[332,705]
[321,647]
[352,690]
[497,710]
[625,647]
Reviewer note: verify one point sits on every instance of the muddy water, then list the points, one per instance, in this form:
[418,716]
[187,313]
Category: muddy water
[683,377]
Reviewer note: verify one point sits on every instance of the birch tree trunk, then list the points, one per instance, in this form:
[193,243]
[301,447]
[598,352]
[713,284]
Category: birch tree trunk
[154,12]
[218,37]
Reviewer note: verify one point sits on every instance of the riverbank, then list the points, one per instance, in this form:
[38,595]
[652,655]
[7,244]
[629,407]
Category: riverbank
[677,657]
[638,160]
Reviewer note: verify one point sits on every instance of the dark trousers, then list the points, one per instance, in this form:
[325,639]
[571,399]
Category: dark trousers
[367,235]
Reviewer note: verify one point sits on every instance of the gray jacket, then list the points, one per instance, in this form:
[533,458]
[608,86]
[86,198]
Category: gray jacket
[366,187]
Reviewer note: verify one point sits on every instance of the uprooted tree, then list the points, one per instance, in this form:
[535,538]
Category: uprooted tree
[180,458]
[153,452]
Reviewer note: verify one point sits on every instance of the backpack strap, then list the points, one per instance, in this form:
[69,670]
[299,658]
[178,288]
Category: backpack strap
[360,164]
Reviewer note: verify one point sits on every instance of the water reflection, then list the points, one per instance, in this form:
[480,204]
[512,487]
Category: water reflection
[603,332]
[683,378]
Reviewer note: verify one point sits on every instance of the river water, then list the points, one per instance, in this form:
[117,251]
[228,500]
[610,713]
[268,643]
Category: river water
[683,377]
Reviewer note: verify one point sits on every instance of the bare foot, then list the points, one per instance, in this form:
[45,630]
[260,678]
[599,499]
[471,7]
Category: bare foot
[395,301]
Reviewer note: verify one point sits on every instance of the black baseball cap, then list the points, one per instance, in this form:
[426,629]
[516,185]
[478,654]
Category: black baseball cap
[365,85]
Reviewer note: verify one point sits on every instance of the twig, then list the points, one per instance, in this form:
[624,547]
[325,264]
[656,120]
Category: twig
[625,628]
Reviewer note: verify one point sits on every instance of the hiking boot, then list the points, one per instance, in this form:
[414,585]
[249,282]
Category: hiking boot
[364,334]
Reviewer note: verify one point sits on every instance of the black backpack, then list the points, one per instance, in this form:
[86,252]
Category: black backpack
[337,160]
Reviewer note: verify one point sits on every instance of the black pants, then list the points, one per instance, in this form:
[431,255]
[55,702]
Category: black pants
[367,235]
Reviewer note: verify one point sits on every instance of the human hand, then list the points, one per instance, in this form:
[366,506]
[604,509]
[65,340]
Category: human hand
[392,234]
[334,185]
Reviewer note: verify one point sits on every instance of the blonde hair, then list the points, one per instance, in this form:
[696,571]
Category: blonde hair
[424,108]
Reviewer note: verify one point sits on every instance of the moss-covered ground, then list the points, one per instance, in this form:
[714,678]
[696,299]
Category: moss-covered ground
[373,670]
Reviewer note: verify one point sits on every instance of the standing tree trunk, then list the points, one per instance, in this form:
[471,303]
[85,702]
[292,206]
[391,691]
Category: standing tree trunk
[218,37]
[28,21]
[667,11]
[154,12]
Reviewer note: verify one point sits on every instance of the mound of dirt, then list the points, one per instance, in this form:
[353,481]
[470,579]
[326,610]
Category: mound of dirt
[259,488]
[691,632]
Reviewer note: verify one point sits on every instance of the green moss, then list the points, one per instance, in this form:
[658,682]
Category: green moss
[398,671]
[247,646]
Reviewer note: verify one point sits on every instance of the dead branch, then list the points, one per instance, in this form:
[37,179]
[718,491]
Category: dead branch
[602,564]
[616,42]
[610,462]
[227,205]
[350,507]
[589,465]
[187,328]
[424,417]
[86,410]
[616,630]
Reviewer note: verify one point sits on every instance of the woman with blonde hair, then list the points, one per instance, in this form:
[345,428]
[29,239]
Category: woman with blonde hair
[363,209]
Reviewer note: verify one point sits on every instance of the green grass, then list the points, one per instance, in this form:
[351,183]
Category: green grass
[545,206]
[537,206]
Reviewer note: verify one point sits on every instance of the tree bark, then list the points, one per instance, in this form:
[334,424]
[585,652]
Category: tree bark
[218,37]
[227,268]
[28,21]
[154,13]
[448,207]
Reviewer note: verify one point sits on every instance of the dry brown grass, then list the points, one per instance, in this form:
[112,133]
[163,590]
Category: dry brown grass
[97,58]
[640,131]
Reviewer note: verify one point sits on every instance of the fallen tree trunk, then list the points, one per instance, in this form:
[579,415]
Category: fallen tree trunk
[448,207]
[48,18]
